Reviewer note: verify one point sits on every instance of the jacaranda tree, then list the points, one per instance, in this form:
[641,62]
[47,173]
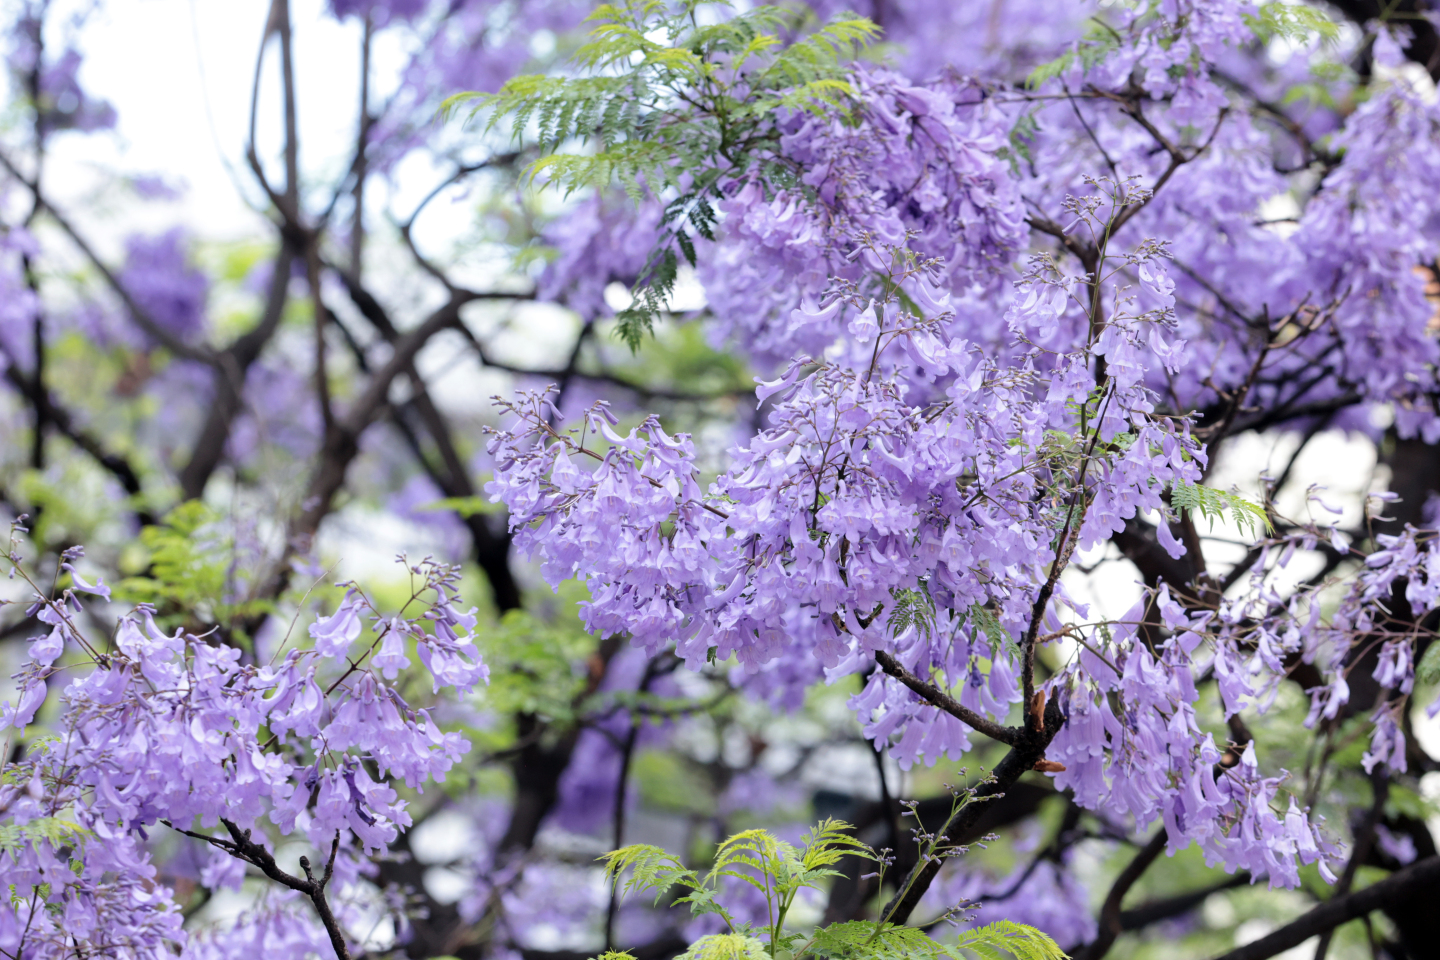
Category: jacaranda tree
[909,360]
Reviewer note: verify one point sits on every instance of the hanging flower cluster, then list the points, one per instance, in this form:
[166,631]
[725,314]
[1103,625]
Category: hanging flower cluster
[180,730]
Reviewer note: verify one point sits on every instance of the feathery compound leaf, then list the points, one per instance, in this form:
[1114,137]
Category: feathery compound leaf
[1015,939]
[1212,504]
[866,940]
[819,54]
[1291,21]
[56,831]
[652,869]
[779,871]
[911,608]
[1428,669]
[1100,41]
[664,104]
[994,630]
[726,946]
[830,840]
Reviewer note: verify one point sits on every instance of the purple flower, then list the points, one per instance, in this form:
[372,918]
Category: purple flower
[334,634]
[391,659]
[170,290]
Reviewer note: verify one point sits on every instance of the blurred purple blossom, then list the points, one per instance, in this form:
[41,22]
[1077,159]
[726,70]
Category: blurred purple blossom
[159,275]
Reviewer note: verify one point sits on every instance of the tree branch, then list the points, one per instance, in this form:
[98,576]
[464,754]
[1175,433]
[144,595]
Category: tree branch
[939,698]
[241,847]
[142,318]
[1182,903]
[1418,879]
[64,422]
[231,370]
[1021,758]
[1110,925]
[491,550]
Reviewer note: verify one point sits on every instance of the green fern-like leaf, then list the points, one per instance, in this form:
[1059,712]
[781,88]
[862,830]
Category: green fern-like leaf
[726,946]
[1212,504]
[866,940]
[996,940]
[1292,21]
[56,831]
[651,868]
[994,630]
[1100,41]
[663,105]
[1428,669]
[779,870]
[830,840]
[911,608]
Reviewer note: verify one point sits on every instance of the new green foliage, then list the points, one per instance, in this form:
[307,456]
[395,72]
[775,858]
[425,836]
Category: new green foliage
[1212,504]
[191,569]
[1296,22]
[864,940]
[780,870]
[669,104]
[1277,19]
[911,608]
[56,831]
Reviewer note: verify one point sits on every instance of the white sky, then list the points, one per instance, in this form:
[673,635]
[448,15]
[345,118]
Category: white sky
[179,72]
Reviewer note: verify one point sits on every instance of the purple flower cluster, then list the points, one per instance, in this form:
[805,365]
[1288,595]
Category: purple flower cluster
[922,169]
[173,729]
[18,303]
[910,473]
[162,281]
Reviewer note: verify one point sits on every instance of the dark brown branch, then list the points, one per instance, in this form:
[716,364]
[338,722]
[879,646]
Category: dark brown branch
[320,320]
[933,695]
[1021,758]
[291,206]
[142,318]
[64,422]
[1417,880]
[1178,905]
[1290,411]
[231,370]
[342,444]
[491,550]
[1364,841]
[617,829]
[234,362]
[1083,251]
[1424,45]
[556,375]
[1110,926]
[241,847]
[357,217]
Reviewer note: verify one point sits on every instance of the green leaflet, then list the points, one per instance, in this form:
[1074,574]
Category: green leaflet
[1296,22]
[780,870]
[1100,41]
[189,562]
[1428,669]
[911,608]
[995,940]
[465,506]
[1291,21]
[669,118]
[865,940]
[994,630]
[1211,504]
[56,831]
[726,946]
